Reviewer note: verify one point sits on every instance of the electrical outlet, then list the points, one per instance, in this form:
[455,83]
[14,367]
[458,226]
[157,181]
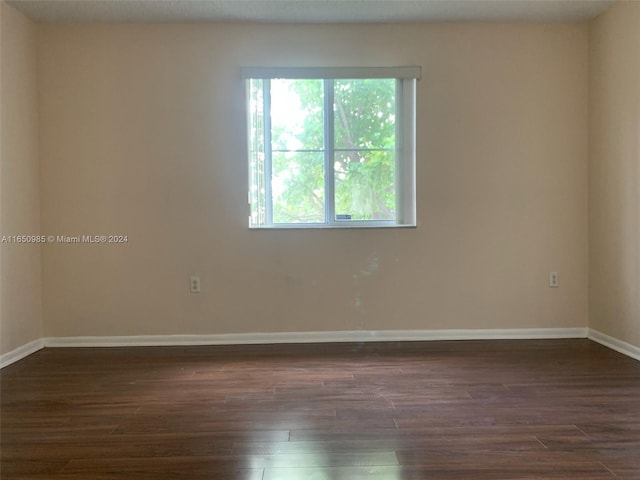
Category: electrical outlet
[553,280]
[195,284]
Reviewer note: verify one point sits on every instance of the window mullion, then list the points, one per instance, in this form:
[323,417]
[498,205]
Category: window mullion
[329,172]
[268,153]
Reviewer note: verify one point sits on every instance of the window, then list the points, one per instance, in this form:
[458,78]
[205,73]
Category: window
[331,147]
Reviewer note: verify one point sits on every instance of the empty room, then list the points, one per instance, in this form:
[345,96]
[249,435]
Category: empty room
[320,239]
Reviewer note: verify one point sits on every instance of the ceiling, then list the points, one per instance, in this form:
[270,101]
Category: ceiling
[309,11]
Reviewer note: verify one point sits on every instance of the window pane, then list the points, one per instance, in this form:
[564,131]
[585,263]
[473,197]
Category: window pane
[297,185]
[365,114]
[297,118]
[297,147]
[365,185]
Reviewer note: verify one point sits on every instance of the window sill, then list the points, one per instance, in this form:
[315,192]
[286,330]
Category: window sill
[331,227]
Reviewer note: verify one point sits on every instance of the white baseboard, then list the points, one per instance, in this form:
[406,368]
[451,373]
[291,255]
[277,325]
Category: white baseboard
[321,337]
[304,337]
[316,337]
[614,344]
[21,352]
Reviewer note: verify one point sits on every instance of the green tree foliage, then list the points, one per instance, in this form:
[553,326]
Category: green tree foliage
[297,116]
[364,145]
[365,142]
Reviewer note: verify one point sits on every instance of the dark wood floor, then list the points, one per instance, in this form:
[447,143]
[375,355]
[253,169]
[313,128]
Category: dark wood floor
[439,410]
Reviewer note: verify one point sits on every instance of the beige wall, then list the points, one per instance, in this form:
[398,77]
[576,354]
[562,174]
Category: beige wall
[20,280]
[614,173]
[142,133]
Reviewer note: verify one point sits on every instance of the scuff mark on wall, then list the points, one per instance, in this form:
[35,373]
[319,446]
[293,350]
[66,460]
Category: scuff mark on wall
[371,266]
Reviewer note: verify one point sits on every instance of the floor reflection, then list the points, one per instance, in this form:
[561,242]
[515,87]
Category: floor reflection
[325,459]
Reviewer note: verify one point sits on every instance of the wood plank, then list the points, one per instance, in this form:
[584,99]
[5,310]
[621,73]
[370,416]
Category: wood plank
[499,410]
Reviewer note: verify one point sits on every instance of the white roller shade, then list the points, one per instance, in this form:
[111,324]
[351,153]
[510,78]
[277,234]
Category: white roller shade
[331,72]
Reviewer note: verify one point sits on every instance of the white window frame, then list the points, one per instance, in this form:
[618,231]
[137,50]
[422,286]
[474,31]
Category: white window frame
[406,78]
